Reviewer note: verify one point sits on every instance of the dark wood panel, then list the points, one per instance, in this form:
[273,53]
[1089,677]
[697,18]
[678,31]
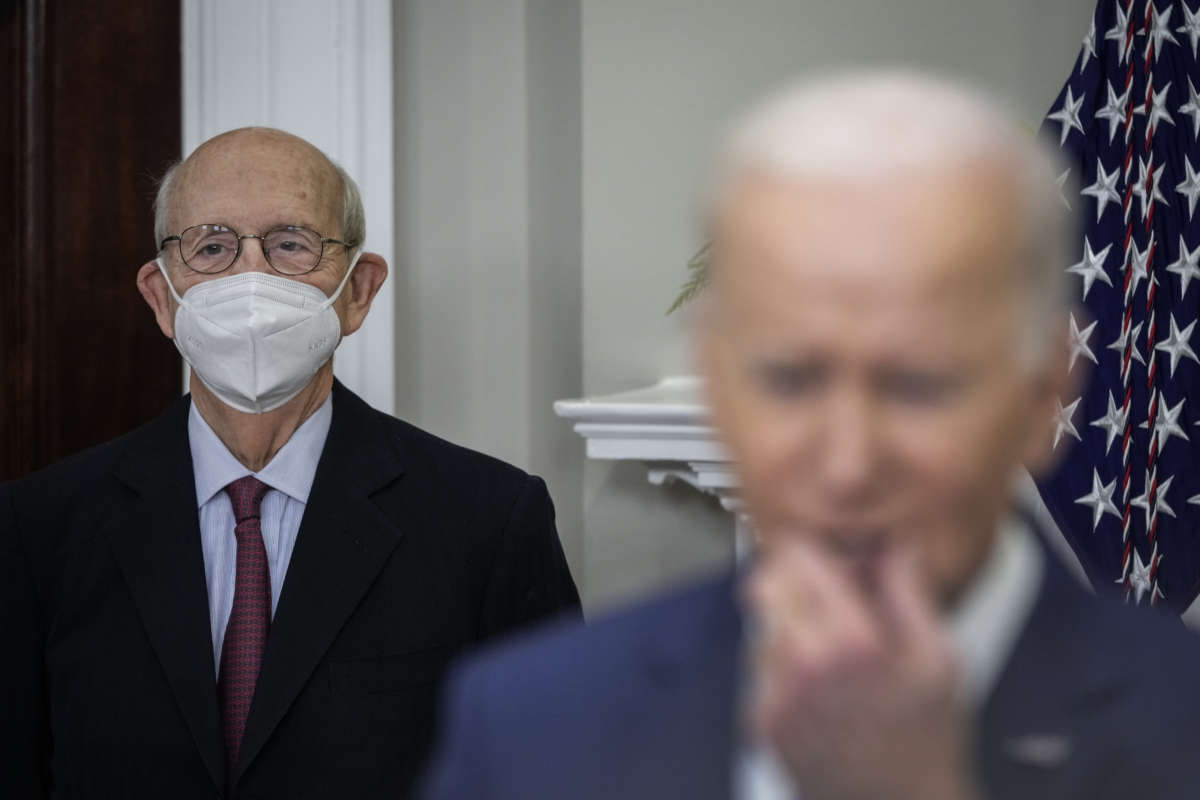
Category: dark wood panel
[95,92]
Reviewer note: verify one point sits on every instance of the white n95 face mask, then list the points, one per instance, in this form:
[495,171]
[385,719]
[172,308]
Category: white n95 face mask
[255,339]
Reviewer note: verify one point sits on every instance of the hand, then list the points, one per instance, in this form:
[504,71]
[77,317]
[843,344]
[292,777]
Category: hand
[857,683]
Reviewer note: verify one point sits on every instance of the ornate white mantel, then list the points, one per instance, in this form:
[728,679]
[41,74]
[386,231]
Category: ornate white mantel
[666,426]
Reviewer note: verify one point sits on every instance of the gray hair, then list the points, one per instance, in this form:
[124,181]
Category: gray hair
[882,121]
[354,218]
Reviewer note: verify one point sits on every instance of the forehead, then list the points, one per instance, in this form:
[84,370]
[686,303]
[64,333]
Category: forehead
[251,181]
[907,241]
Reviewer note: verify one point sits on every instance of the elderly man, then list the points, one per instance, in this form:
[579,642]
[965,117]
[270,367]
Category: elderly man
[884,343]
[257,594]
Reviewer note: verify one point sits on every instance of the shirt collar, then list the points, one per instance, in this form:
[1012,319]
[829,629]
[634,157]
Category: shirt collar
[291,471]
[983,627]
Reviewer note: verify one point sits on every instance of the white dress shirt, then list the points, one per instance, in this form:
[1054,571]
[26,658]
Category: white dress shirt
[982,629]
[290,476]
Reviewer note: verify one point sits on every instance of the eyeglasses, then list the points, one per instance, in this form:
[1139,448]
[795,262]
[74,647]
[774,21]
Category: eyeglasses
[289,249]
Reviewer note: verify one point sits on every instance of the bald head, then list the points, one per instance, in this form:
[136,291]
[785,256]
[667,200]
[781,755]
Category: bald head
[910,133]
[216,166]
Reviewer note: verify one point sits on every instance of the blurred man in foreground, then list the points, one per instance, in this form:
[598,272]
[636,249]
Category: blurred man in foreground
[884,342]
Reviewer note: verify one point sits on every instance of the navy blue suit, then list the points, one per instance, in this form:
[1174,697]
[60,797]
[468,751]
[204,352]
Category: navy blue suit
[1096,701]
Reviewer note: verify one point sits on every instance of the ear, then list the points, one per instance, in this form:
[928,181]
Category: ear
[369,274]
[155,292]
[1055,381]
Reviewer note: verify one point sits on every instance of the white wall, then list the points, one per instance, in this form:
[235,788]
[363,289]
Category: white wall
[550,155]
[487,275]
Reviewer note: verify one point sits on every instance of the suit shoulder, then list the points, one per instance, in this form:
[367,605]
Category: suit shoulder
[443,455]
[670,621]
[78,470]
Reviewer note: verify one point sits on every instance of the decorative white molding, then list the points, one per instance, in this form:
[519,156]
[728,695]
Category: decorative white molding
[320,69]
[665,425]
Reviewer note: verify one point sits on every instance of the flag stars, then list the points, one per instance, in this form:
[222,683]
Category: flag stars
[1147,189]
[1063,423]
[1142,501]
[1060,182]
[1192,108]
[1119,32]
[1160,30]
[1068,115]
[1189,187]
[1113,422]
[1139,576]
[1115,111]
[1104,189]
[1166,423]
[1079,342]
[1139,267]
[1100,499]
[1091,267]
[1089,46]
[1190,26]
[1176,344]
[1187,266]
[1158,109]
[1119,344]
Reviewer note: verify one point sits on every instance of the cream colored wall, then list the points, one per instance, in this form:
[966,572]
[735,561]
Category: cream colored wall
[550,156]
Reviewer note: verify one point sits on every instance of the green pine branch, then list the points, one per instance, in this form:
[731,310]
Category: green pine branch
[697,278]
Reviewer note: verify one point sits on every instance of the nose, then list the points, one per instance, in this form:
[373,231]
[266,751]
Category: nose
[850,447]
[252,258]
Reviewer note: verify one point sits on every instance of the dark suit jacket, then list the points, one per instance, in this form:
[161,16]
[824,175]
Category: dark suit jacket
[411,550]
[1097,701]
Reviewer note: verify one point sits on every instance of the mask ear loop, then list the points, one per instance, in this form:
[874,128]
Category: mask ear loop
[163,269]
[349,271]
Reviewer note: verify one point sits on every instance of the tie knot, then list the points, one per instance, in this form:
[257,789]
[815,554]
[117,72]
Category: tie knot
[246,494]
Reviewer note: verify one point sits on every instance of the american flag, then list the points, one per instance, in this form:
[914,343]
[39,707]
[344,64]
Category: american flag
[1127,494]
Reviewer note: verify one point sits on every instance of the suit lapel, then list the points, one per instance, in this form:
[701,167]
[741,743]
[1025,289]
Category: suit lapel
[691,663]
[1037,721]
[343,543]
[157,548]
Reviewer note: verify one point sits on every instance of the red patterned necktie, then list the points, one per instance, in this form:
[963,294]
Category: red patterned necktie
[246,633]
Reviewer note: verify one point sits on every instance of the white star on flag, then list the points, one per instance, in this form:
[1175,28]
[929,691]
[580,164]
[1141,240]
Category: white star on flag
[1060,182]
[1091,268]
[1190,26]
[1114,111]
[1158,109]
[1160,501]
[1166,423]
[1191,107]
[1190,186]
[1104,189]
[1176,344]
[1139,266]
[1187,266]
[1139,576]
[1160,30]
[1119,344]
[1113,422]
[1118,32]
[1079,342]
[1153,193]
[1062,421]
[1068,115]
[1100,499]
[1089,46]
